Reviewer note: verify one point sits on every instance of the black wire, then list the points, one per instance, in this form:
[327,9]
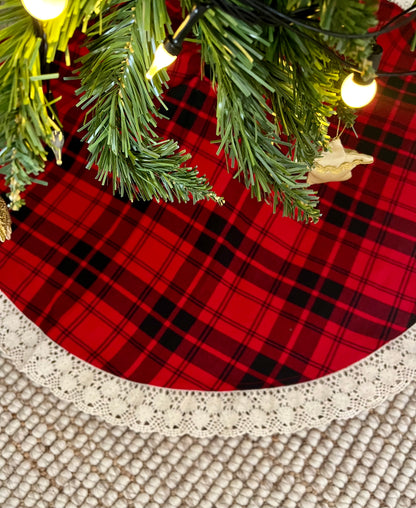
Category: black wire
[386,28]
[347,65]
[395,74]
[270,16]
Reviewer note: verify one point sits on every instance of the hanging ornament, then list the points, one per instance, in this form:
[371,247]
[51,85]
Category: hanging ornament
[5,222]
[44,10]
[336,164]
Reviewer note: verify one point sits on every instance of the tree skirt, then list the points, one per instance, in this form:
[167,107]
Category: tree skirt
[223,299]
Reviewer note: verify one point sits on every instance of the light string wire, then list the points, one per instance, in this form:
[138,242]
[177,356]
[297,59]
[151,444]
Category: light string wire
[395,74]
[289,22]
[269,16]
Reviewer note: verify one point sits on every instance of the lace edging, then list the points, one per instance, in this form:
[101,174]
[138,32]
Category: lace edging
[145,408]
[404,4]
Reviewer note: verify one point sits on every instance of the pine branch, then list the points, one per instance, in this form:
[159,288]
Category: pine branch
[76,15]
[249,133]
[153,178]
[276,85]
[25,126]
[122,116]
[26,122]
[310,78]
[349,17]
[282,72]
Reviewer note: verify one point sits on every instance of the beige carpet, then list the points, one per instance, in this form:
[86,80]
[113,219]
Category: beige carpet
[53,455]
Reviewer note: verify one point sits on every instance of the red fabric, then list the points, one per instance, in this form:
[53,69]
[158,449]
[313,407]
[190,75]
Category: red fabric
[233,297]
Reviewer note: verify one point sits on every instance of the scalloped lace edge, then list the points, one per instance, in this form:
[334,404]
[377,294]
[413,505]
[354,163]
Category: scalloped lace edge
[145,408]
[404,4]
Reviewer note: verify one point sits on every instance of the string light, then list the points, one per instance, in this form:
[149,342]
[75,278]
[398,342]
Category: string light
[356,94]
[162,59]
[44,10]
[358,91]
[167,52]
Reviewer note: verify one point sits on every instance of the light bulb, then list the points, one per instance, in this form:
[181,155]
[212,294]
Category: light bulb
[44,10]
[161,60]
[357,95]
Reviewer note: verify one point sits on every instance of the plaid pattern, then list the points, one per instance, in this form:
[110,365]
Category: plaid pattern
[222,298]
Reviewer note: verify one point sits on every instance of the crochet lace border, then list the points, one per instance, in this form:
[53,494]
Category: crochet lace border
[362,386]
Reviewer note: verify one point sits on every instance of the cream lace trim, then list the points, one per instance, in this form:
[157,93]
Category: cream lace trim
[404,4]
[145,408]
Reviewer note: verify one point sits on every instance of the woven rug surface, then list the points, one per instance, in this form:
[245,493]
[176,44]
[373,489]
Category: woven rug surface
[53,455]
[224,298]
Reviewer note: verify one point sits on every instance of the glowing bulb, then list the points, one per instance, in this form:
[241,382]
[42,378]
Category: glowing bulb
[44,10]
[356,95]
[161,60]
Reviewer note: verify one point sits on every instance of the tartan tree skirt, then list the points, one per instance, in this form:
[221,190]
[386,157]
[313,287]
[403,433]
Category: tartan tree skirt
[223,298]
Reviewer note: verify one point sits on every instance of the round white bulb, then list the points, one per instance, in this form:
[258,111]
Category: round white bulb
[44,10]
[356,95]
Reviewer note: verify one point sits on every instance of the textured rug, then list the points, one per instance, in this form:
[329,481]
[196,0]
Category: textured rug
[53,455]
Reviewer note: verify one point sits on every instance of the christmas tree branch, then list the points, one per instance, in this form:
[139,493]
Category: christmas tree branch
[76,15]
[277,84]
[353,17]
[122,117]
[276,89]
[24,122]
[27,123]
[249,133]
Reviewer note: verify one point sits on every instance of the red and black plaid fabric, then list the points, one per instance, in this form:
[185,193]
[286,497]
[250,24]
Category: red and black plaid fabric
[223,298]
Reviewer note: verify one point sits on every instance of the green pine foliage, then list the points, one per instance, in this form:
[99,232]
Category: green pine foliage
[349,17]
[277,87]
[120,124]
[24,123]
[26,118]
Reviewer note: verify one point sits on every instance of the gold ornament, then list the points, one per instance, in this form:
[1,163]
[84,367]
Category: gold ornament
[5,222]
[336,164]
